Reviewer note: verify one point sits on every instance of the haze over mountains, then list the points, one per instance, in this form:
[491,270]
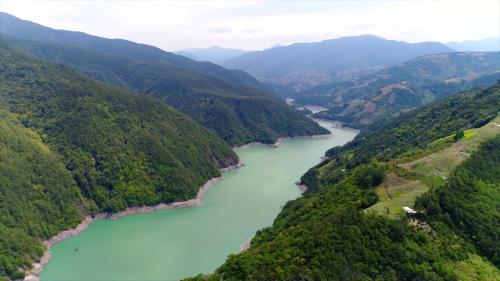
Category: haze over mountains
[491,44]
[213,54]
[304,65]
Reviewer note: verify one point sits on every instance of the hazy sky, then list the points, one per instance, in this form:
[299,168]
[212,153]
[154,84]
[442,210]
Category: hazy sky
[173,25]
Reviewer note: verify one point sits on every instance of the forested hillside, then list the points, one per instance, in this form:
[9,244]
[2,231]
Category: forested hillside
[361,101]
[70,146]
[38,196]
[229,102]
[328,234]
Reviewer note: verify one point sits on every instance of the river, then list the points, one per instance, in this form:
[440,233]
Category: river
[176,243]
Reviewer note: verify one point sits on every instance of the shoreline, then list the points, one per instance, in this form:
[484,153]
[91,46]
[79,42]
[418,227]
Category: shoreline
[280,140]
[337,124]
[302,187]
[37,267]
[246,245]
[33,273]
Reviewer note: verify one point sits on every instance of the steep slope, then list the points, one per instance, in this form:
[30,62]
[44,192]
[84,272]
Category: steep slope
[327,235]
[39,197]
[121,149]
[398,88]
[213,54]
[491,44]
[305,65]
[224,101]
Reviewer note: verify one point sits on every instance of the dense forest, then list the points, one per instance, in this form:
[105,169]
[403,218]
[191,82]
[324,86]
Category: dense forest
[38,196]
[327,235]
[230,102]
[70,146]
[362,100]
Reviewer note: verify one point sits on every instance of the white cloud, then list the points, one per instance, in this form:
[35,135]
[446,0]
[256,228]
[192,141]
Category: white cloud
[175,25]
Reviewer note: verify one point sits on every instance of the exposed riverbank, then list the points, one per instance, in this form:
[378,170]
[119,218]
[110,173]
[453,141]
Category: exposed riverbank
[33,273]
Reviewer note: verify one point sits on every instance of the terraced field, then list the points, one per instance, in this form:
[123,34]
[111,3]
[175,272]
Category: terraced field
[409,178]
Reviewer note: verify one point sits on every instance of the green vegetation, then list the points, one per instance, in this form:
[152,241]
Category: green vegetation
[328,234]
[229,102]
[395,193]
[327,237]
[71,146]
[459,135]
[475,268]
[410,134]
[411,177]
[121,149]
[363,100]
[238,114]
[468,203]
[38,196]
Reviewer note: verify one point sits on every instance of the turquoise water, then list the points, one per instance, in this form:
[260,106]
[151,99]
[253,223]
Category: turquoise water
[177,243]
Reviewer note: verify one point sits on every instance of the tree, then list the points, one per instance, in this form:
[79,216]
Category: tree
[459,135]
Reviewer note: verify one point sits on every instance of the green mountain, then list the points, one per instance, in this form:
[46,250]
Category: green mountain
[71,146]
[304,65]
[39,197]
[229,102]
[335,232]
[361,101]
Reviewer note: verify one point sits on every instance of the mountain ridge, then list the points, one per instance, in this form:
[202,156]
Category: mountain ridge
[232,103]
[316,63]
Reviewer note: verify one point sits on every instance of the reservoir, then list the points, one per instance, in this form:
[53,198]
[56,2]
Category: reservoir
[172,244]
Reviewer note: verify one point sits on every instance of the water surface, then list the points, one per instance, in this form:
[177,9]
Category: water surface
[177,243]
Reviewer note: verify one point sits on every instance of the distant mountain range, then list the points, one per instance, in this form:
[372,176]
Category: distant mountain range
[305,65]
[230,102]
[491,44]
[213,54]
[361,101]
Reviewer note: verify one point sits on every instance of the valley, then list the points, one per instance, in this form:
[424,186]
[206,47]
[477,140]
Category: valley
[249,140]
[183,242]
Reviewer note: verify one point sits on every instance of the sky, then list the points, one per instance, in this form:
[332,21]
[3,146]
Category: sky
[256,25]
